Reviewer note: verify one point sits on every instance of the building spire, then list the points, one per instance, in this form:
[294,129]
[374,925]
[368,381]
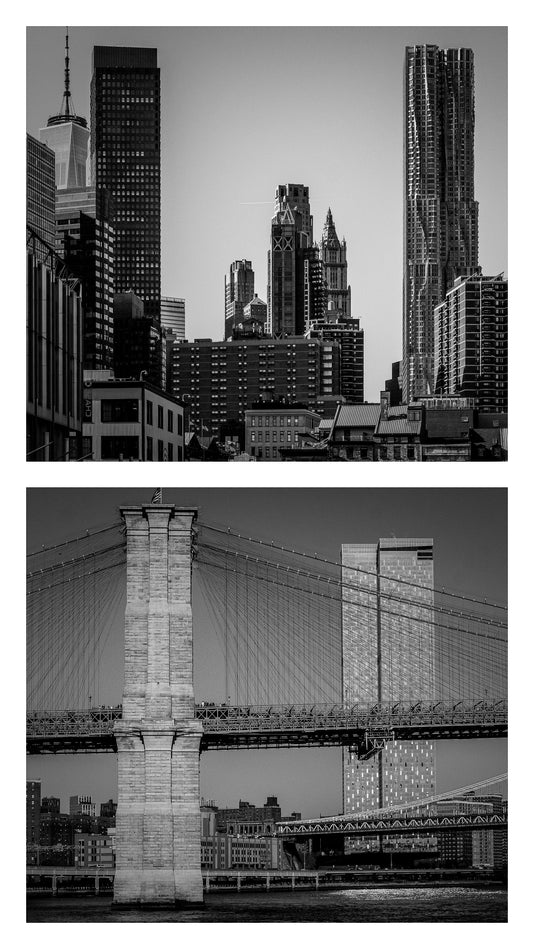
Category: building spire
[67,112]
[66,94]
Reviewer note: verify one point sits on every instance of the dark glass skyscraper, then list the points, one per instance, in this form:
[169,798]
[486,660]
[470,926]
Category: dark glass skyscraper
[440,213]
[126,160]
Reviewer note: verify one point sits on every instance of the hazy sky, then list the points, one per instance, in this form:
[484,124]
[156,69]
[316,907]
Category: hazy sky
[469,528]
[245,109]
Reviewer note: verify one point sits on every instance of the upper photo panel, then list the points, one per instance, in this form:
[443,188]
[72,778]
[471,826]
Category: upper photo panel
[266,244]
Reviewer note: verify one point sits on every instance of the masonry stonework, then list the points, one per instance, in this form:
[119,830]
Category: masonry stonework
[158,738]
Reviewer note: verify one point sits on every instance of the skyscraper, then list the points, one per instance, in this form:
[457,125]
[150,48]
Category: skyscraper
[333,256]
[68,136]
[388,655]
[440,213]
[126,160]
[295,280]
[471,342]
[239,290]
[85,239]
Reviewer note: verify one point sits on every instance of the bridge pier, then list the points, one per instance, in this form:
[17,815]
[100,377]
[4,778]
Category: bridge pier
[158,739]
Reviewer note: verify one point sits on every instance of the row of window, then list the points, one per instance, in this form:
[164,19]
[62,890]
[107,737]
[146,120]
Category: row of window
[274,436]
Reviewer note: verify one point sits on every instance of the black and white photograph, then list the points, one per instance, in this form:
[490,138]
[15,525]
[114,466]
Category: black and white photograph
[252,697]
[266,243]
[266,705]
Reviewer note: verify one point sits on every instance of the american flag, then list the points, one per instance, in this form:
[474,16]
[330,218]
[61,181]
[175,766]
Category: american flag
[158,496]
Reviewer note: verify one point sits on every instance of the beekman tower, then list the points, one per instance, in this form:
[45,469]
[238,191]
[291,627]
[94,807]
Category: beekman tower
[440,213]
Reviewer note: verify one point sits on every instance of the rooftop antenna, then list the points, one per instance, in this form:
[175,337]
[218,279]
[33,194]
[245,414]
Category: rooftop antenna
[67,112]
[66,96]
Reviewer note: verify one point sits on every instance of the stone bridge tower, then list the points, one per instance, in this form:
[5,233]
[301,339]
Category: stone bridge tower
[158,738]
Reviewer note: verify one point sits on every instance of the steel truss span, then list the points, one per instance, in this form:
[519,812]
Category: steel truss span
[392,824]
[362,728]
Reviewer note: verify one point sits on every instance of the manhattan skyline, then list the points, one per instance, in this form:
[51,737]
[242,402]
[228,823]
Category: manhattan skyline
[223,123]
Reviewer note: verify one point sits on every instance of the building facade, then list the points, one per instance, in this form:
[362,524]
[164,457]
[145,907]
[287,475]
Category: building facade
[126,161]
[440,213]
[351,338]
[388,655]
[238,291]
[85,239]
[94,851]
[292,263]
[40,193]
[81,806]
[471,342]
[268,431]
[220,381]
[139,342]
[33,819]
[130,421]
[173,316]
[333,257]
[54,346]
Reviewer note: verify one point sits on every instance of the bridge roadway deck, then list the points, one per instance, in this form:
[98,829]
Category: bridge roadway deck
[363,728]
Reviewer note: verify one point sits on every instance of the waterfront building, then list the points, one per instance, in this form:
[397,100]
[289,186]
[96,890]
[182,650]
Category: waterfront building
[398,664]
[33,819]
[130,421]
[94,851]
[85,239]
[126,161]
[173,316]
[68,136]
[40,194]
[440,213]
[271,429]
[471,342]
[335,268]
[220,381]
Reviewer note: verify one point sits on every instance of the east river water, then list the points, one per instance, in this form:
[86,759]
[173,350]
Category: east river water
[450,904]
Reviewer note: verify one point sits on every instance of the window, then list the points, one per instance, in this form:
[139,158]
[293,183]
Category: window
[160,450]
[149,449]
[120,448]
[170,420]
[170,451]
[119,409]
[159,416]
[149,413]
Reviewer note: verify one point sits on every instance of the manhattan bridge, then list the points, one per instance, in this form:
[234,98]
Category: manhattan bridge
[275,618]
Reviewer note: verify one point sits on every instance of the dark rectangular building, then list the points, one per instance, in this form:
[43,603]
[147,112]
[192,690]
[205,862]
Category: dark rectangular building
[126,160]
[219,381]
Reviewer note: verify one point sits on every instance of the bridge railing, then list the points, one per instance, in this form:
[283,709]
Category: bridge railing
[228,719]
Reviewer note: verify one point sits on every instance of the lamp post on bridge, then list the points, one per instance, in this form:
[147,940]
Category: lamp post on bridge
[158,739]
